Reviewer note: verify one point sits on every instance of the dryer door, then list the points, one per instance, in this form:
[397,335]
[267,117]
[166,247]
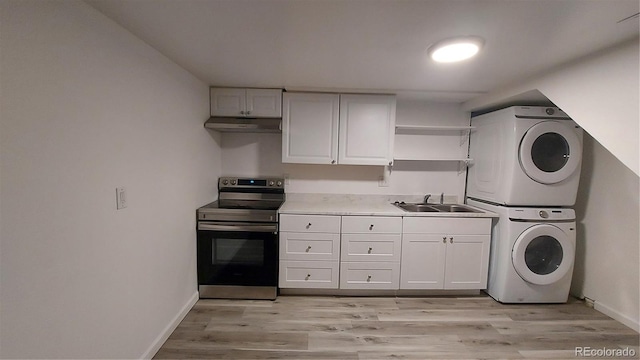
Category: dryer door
[542,254]
[550,152]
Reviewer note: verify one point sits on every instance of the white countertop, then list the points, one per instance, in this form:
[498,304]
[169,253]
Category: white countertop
[368,205]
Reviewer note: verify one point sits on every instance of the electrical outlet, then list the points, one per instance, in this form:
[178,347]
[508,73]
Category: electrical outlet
[383,182]
[286,179]
[121,198]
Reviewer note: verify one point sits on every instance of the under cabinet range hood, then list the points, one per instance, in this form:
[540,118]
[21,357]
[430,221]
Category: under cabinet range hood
[233,124]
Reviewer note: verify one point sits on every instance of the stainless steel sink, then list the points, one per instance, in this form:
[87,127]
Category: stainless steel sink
[417,207]
[454,208]
[422,207]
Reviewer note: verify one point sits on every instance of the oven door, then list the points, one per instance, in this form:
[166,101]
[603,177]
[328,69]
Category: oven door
[237,254]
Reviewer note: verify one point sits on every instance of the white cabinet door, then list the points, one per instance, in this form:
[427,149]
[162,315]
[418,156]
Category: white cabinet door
[228,102]
[309,246]
[423,261]
[369,275]
[261,103]
[371,247]
[310,128]
[264,103]
[308,274]
[467,261]
[367,129]
[310,223]
[372,224]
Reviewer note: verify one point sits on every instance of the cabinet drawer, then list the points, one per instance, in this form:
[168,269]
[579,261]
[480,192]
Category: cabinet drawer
[424,225]
[309,246]
[371,247]
[310,223]
[371,224]
[370,275]
[309,274]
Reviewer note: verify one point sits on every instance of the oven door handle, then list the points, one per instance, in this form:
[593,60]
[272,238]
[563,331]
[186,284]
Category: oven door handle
[244,227]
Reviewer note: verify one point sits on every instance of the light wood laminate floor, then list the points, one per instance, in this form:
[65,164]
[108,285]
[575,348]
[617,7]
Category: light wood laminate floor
[315,327]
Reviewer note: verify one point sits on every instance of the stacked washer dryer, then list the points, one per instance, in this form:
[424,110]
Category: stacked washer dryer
[526,168]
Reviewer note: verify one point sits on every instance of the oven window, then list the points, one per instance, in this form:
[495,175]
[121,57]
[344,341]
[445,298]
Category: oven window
[238,252]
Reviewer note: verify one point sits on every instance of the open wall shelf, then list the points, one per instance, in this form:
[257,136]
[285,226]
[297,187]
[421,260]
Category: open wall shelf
[419,129]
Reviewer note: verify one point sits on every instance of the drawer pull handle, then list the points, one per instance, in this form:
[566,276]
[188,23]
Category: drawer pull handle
[308,225]
[444,239]
[308,248]
[371,227]
[307,277]
[370,249]
[368,278]
[451,240]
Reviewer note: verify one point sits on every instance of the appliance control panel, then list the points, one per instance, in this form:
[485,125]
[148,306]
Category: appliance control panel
[540,112]
[233,182]
[548,214]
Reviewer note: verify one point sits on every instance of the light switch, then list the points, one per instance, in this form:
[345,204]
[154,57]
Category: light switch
[121,198]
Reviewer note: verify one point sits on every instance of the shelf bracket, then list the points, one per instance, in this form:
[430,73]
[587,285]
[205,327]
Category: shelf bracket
[463,165]
[464,136]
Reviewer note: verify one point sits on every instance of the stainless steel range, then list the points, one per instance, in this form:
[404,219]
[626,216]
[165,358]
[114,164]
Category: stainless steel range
[238,239]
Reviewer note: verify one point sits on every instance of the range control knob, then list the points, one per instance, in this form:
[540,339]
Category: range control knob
[279,183]
[225,182]
[550,111]
[271,183]
[233,182]
[543,214]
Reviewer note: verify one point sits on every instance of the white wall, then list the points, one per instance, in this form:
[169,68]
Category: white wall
[260,154]
[600,92]
[86,107]
[608,237]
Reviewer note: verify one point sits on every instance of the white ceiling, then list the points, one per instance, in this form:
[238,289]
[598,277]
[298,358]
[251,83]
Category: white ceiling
[372,45]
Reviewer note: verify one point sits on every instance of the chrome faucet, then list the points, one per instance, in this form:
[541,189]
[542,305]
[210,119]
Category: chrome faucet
[426,198]
[441,198]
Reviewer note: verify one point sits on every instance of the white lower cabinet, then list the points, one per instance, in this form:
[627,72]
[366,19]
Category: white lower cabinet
[370,275]
[309,274]
[423,259]
[370,252]
[309,251]
[383,252]
[445,253]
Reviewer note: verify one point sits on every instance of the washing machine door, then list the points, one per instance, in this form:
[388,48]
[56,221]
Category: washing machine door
[550,152]
[543,254]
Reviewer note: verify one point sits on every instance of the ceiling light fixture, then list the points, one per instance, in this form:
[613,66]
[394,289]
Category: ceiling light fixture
[455,49]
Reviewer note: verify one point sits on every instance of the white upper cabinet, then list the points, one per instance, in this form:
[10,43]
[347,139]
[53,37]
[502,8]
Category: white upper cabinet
[246,102]
[367,128]
[310,128]
[338,129]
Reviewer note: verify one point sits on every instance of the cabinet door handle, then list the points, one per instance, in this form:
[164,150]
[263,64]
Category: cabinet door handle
[308,225]
[307,277]
[241,112]
[371,227]
[333,161]
[444,239]
[248,112]
[451,240]
[370,249]
[308,248]
[368,278]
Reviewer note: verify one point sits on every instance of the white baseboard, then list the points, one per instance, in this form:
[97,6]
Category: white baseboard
[173,324]
[616,315]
